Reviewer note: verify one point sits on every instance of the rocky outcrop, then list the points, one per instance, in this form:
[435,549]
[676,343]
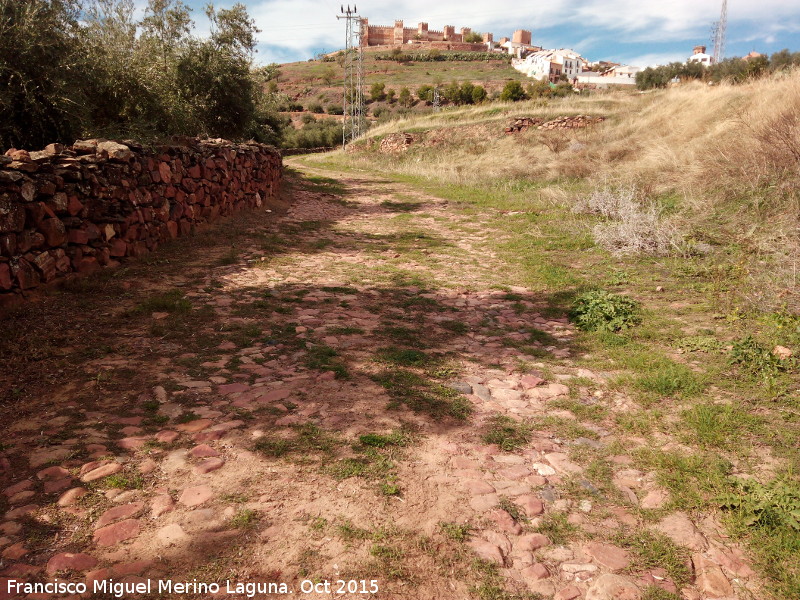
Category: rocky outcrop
[90,205]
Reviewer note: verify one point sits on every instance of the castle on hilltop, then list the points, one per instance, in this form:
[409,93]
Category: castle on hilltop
[446,39]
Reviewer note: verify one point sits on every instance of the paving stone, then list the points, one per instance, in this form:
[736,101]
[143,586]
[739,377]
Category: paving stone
[504,521]
[100,472]
[16,513]
[21,497]
[733,560]
[477,487]
[119,512]
[532,505]
[116,533]
[10,528]
[194,426]
[611,557]
[51,473]
[131,444]
[161,504]
[680,529]
[71,496]
[166,436]
[536,571]
[72,562]
[460,386]
[42,457]
[549,391]
[15,552]
[487,551]
[208,465]
[195,496]
[147,466]
[25,484]
[50,487]
[543,469]
[568,593]
[710,579]
[483,503]
[656,498]
[530,381]
[516,472]
[482,392]
[532,542]
[562,464]
[203,451]
[232,388]
[573,567]
[171,535]
[462,462]
[612,587]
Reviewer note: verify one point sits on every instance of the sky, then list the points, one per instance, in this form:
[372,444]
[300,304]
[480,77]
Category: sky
[636,32]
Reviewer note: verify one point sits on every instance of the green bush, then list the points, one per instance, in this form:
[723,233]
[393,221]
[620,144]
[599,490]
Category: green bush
[335,109]
[772,505]
[316,108]
[513,92]
[599,310]
[757,360]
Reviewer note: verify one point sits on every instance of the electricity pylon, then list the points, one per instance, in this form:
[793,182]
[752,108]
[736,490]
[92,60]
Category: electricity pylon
[719,33]
[354,118]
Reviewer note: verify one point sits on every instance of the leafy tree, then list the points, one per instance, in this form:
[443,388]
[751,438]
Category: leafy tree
[425,93]
[452,93]
[473,37]
[390,96]
[513,92]
[405,97]
[783,60]
[478,94]
[539,89]
[465,93]
[40,55]
[376,92]
[328,75]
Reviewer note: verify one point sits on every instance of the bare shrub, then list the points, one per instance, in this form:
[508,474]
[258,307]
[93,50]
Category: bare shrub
[555,141]
[632,226]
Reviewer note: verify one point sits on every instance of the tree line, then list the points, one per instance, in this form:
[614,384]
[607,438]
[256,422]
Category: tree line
[72,68]
[734,70]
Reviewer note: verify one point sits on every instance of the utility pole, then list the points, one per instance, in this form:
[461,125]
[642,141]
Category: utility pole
[719,33]
[354,123]
[437,101]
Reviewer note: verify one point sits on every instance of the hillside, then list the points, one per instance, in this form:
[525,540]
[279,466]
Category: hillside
[312,81]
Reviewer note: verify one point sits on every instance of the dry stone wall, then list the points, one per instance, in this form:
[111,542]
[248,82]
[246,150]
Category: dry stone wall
[90,205]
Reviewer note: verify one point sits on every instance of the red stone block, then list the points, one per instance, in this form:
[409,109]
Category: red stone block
[77,236]
[55,234]
[25,274]
[118,248]
[8,244]
[172,226]
[88,264]
[194,171]
[5,277]
[74,206]
[185,227]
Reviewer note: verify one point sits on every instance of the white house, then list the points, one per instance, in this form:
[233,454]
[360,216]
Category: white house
[550,65]
[700,56]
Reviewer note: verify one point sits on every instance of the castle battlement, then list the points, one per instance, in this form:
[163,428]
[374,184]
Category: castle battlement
[397,35]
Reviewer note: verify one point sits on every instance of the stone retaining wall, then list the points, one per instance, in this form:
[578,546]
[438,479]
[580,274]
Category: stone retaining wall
[84,207]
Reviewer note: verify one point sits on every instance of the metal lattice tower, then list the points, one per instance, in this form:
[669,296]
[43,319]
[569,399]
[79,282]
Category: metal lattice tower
[719,33]
[437,100]
[354,117]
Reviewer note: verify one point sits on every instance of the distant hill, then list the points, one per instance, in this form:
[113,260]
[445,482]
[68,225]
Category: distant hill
[319,82]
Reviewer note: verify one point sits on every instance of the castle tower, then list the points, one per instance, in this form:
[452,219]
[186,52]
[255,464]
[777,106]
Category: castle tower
[488,37]
[398,33]
[699,50]
[365,32]
[521,36]
[422,31]
[449,33]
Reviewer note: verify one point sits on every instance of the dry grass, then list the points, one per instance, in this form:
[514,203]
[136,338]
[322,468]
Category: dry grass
[728,156]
